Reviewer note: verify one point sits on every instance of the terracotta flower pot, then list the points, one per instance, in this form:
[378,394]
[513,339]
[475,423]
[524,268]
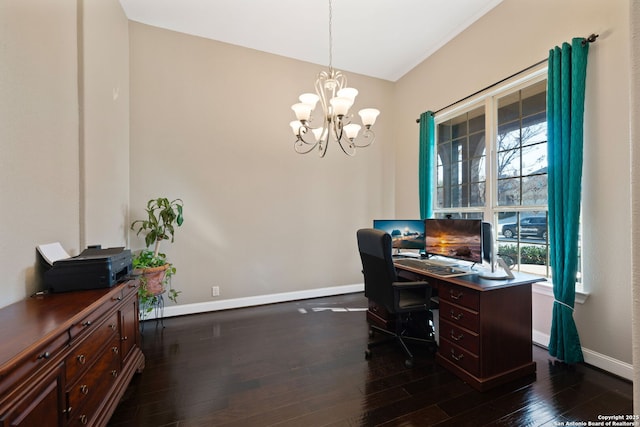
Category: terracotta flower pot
[154,278]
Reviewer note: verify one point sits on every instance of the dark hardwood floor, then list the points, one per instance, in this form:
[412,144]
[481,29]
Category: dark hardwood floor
[302,364]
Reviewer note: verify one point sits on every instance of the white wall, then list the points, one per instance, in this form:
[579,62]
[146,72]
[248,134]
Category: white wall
[38,136]
[513,36]
[634,120]
[209,125]
[63,137]
[105,125]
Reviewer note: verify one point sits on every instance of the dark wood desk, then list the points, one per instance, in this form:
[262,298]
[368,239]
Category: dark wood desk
[485,326]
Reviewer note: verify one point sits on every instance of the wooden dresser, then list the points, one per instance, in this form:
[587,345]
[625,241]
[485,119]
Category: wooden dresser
[66,359]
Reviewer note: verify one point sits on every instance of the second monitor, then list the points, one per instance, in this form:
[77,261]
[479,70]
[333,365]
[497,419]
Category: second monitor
[405,233]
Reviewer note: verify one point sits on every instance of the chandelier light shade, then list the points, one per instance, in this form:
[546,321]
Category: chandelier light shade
[333,119]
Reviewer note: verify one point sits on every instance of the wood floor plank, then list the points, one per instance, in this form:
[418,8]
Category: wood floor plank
[302,364]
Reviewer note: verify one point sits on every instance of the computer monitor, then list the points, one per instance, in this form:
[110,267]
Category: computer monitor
[488,252]
[405,233]
[499,269]
[454,238]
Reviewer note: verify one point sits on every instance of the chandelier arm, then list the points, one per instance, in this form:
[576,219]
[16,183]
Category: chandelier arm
[302,147]
[349,150]
[367,134]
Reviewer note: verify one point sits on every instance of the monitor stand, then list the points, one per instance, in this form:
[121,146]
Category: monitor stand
[503,272]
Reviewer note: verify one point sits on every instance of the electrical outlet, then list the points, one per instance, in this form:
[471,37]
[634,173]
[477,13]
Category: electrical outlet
[215,291]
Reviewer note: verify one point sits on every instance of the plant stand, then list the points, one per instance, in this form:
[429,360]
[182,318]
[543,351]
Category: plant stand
[158,310]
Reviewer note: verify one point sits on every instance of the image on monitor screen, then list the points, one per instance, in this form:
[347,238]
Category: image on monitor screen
[454,238]
[405,233]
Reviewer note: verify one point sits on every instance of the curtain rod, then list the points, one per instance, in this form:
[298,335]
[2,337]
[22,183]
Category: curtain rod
[592,38]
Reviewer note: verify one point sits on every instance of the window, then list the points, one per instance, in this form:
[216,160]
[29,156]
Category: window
[492,165]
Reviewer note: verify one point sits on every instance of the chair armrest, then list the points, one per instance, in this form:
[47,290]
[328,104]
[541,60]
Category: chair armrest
[410,285]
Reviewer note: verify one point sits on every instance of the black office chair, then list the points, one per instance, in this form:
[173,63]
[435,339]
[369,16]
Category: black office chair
[400,299]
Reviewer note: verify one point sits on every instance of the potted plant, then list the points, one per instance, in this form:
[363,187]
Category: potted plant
[152,265]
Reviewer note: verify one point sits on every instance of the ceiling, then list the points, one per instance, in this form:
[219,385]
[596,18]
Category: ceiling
[377,38]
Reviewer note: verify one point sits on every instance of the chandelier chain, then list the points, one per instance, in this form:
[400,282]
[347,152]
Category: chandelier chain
[330,37]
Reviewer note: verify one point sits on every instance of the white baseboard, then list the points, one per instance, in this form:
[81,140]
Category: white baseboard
[204,307]
[593,358]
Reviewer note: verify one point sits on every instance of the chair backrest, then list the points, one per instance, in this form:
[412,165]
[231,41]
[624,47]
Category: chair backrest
[377,266]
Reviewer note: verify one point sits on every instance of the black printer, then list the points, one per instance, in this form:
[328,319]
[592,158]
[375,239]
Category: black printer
[94,268]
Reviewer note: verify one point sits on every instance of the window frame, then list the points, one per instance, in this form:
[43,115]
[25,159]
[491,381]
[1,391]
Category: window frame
[488,99]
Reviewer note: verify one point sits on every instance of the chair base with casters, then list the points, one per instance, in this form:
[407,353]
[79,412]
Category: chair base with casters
[400,336]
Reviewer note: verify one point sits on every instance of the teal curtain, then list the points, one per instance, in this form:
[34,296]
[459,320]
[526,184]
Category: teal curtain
[426,165]
[565,119]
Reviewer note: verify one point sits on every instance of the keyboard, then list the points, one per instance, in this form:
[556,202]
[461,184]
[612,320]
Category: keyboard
[431,268]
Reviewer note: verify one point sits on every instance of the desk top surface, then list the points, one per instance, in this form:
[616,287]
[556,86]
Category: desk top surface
[474,281]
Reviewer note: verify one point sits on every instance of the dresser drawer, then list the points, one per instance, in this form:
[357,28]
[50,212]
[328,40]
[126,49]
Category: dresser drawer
[88,323]
[28,366]
[130,287]
[95,383]
[459,356]
[461,296]
[464,338]
[459,316]
[88,350]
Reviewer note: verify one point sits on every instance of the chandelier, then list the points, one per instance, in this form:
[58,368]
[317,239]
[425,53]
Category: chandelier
[336,98]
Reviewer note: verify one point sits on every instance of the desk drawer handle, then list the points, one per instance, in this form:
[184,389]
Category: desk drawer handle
[84,389]
[81,359]
[456,358]
[83,419]
[455,316]
[115,349]
[114,373]
[44,355]
[456,337]
[87,323]
[116,299]
[454,295]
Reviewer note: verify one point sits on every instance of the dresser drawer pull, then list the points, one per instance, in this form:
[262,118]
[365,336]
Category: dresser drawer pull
[84,389]
[116,299]
[44,355]
[115,349]
[87,323]
[67,411]
[83,419]
[81,359]
[455,316]
[114,373]
[455,357]
[124,338]
[456,337]
[113,326]
[455,295]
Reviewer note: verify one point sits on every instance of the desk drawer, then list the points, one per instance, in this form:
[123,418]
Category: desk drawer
[466,339]
[461,296]
[459,356]
[459,316]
